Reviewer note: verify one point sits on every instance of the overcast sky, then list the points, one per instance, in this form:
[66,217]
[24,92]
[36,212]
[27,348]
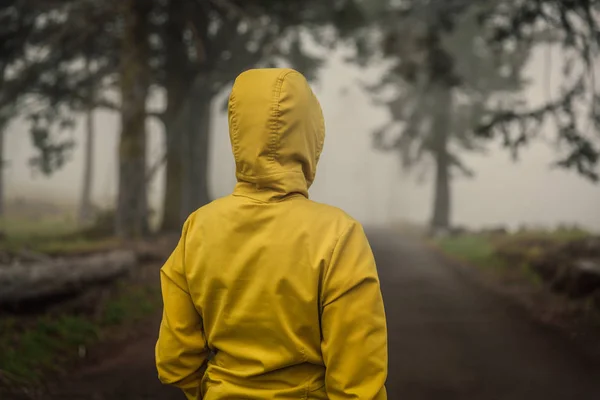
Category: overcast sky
[366,183]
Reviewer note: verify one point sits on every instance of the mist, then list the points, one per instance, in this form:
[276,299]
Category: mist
[368,184]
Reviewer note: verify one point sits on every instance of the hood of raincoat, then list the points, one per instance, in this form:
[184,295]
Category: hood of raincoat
[277,132]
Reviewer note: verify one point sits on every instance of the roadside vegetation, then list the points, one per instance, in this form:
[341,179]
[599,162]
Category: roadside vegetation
[43,337]
[32,347]
[504,252]
[558,269]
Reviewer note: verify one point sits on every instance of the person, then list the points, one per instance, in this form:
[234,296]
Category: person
[269,295]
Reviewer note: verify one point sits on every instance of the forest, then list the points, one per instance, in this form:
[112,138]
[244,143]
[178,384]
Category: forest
[452,82]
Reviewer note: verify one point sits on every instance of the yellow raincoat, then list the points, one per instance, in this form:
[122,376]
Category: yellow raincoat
[282,290]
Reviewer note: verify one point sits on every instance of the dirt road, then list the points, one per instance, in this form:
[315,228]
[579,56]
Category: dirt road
[449,339]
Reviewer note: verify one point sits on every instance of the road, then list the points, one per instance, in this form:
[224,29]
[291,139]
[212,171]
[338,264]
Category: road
[448,339]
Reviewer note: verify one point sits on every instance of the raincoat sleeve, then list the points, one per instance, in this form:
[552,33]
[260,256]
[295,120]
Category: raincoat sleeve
[181,348]
[354,333]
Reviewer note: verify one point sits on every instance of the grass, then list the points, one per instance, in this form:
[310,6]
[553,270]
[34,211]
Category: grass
[51,235]
[474,249]
[28,351]
[559,235]
[511,253]
[23,228]
[139,303]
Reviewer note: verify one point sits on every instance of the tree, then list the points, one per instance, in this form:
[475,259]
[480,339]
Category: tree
[85,204]
[191,49]
[574,25]
[2,166]
[67,34]
[43,43]
[176,79]
[134,81]
[226,38]
[86,49]
[16,23]
[442,79]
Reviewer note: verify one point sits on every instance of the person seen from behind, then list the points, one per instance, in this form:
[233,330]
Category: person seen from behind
[269,295]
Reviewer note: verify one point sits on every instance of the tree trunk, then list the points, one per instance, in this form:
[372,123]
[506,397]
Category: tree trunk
[441,206]
[441,130]
[197,151]
[171,214]
[2,168]
[177,87]
[201,159]
[85,206]
[132,209]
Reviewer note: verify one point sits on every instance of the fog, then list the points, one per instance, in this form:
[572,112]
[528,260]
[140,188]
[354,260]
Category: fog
[366,183]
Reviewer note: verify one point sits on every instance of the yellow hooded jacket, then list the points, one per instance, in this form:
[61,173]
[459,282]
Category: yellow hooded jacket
[282,290]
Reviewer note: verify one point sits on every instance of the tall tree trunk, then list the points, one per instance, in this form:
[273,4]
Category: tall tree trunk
[441,130]
[442,203]
[173,195]
[177,87]
[2,168]
[197,151]
[132,208]
[3,124]
[202,156]
[85,205]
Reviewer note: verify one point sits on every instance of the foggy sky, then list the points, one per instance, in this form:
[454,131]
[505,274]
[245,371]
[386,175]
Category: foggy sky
[366,183]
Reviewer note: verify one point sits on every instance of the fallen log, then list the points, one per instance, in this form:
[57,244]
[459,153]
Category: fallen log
[62,276]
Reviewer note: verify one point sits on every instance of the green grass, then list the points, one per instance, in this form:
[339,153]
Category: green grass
[474,249]
[509,253]
[28,351]
[139,303]
[560,235]
[20,228]
[48,235]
